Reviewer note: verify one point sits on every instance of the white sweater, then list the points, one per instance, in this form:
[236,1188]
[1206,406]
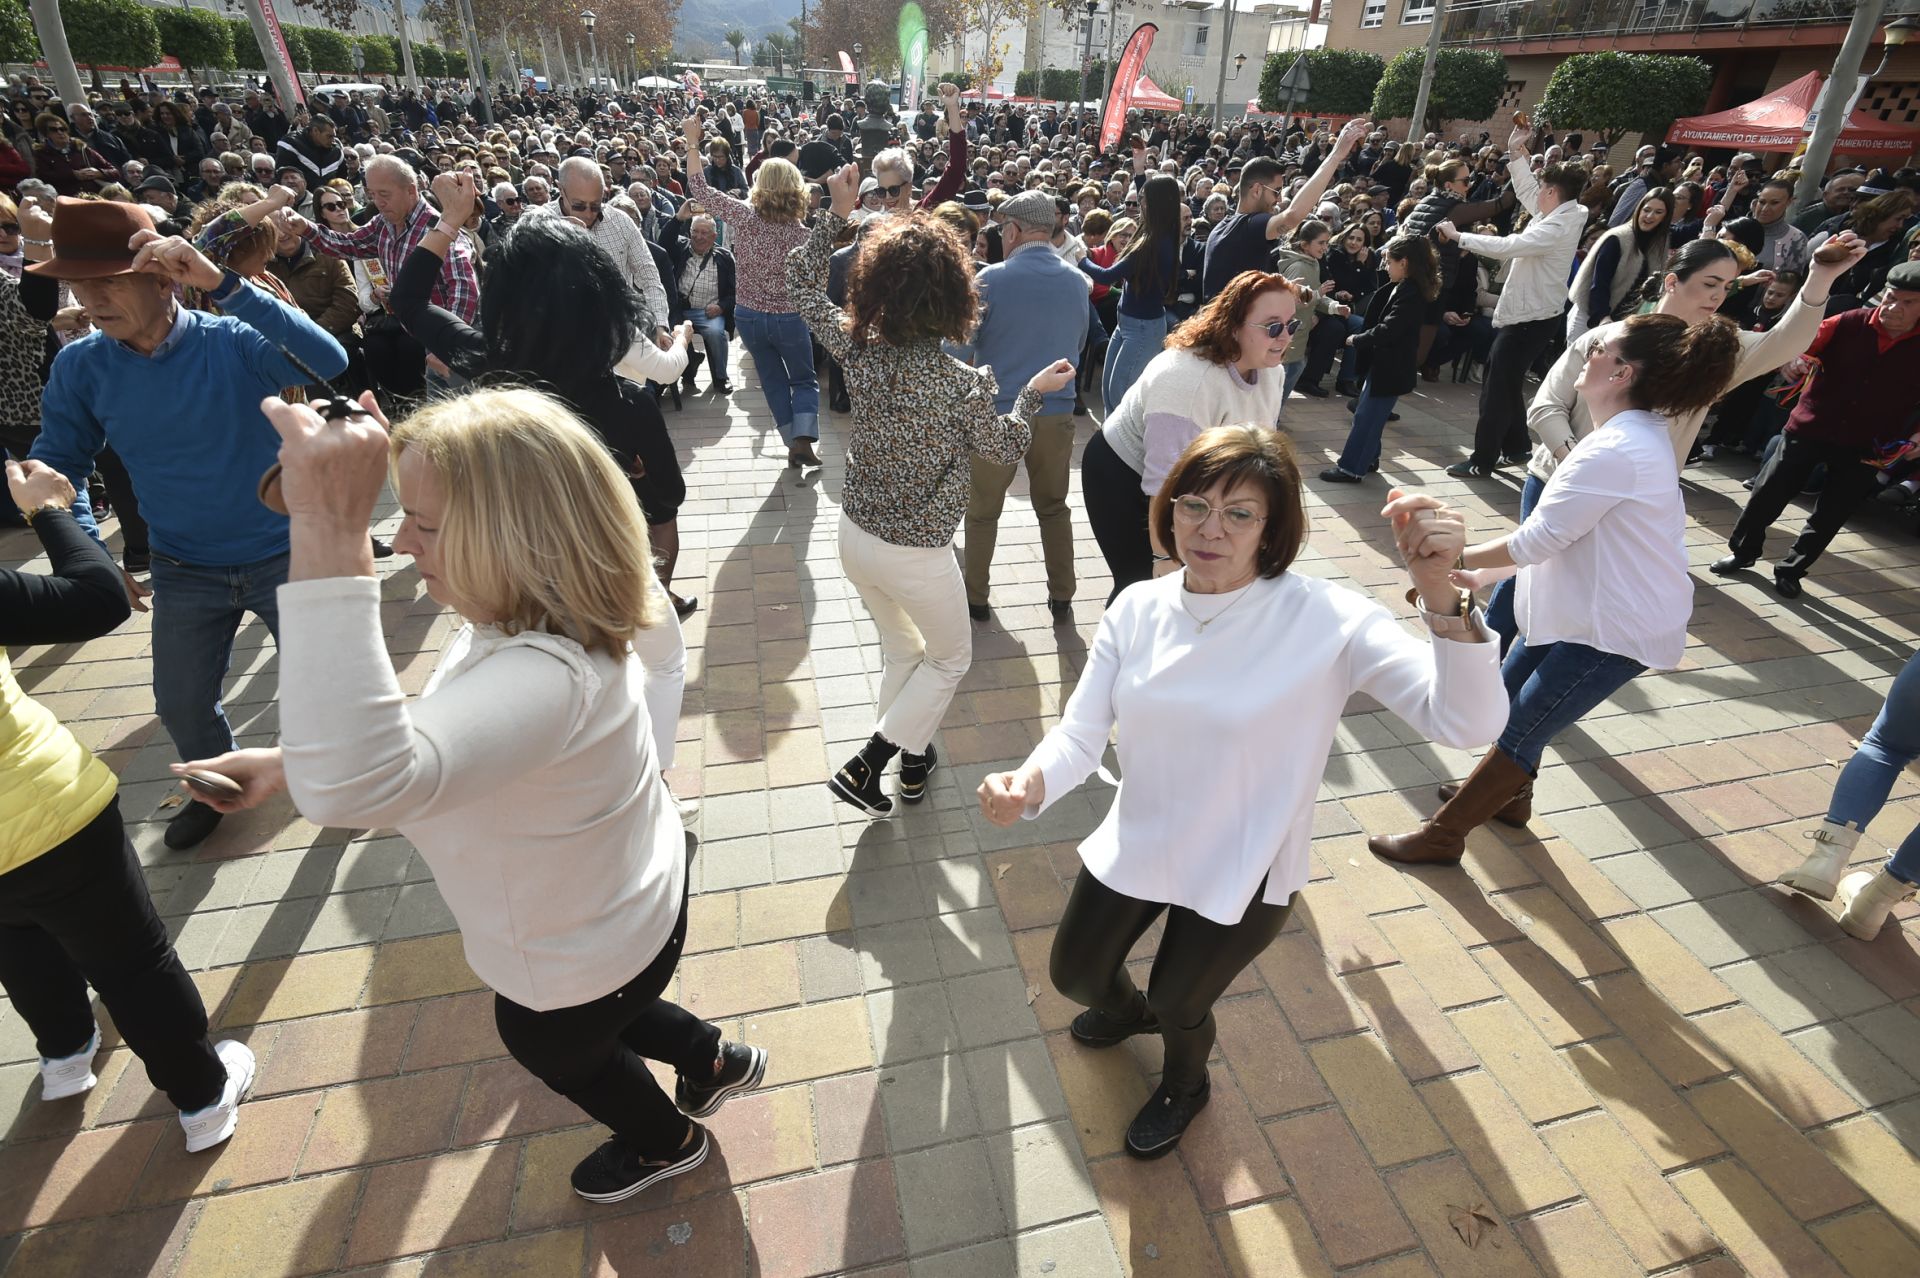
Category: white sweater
[1179,395]
[1603,557]
[1224,734]
[1542,254]
[527,774]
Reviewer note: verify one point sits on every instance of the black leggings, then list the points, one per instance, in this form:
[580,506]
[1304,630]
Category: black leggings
[1117,510]
[1197,960]
[592,1053]
[79,915]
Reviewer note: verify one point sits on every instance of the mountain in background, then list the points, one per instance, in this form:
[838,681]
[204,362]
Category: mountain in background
[706,21]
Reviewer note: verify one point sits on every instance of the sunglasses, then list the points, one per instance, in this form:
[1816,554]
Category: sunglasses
[1277,327]
[890,192]
[56,128]
[9,228]
[329,206]
[510,204]
[585,206]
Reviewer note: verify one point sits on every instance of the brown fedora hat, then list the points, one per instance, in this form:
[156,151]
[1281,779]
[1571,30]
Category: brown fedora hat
[90,239]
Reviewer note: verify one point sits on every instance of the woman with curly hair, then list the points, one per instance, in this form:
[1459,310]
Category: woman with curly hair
[1220,367]
[762,229]
[918,416]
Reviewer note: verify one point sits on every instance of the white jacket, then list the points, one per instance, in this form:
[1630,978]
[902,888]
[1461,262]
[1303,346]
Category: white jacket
[1542,255]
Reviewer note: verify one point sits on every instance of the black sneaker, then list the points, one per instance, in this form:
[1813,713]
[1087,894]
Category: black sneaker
[1096,1029]
[191,825]
[858,782]
[1314,389]
[721,388]
[914,771]
[1470,470]
[137,561]
[1517,459]
[742,1071]
[616,1171]
[382,549]
[1163,1120]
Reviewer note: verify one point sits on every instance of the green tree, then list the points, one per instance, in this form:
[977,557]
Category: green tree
[331,52]
[246,50]
[428,60]
[18,43]
[735,37]
[382,54]
[1467,84]
[1343,81]
[196,37]
[1614,94]
[456,62]
[298,48]
[111,33]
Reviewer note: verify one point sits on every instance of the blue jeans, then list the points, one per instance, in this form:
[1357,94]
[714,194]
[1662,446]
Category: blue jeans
[1134,343]
[713,336]
[1500,603]
[1354,323]
[196,613]
[1889,746]
[782,351]
[1292,372]
[1361,456]
[1550,688]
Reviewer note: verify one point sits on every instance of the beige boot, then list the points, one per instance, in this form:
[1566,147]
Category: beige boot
[1867,897]
[1832,847]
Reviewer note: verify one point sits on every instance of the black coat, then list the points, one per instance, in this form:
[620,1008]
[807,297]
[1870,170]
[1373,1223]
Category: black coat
[1388,349]
[679,251]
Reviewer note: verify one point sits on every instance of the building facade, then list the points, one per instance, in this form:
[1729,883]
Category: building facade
[1754,46]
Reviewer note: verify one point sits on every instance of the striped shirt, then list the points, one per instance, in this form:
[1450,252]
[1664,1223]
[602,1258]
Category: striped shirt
[457,289]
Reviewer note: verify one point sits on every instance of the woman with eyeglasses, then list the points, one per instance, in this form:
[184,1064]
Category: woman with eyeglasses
[1221,366]
[1211,826]
[1388,353]
[762,229]
[64,164]
[1451,305]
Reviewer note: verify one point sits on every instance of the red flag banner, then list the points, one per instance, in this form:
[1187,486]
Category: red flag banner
[846,64]
[1132,64]
[280,44]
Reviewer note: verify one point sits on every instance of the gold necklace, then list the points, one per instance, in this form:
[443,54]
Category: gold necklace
[1200,627]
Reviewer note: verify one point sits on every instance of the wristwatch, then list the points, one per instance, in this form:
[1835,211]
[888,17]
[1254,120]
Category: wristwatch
[1458,622]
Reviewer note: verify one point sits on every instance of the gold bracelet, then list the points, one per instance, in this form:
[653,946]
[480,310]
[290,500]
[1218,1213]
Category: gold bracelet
[37,511]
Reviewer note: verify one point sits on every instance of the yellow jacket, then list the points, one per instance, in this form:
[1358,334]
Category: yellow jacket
[51,786]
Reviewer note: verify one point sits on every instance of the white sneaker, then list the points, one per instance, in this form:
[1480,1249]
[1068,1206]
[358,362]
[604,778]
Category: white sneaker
[69,1075]
[215,1123]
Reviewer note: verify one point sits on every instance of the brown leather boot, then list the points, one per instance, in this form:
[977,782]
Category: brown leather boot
[1517,813]
[1494,783]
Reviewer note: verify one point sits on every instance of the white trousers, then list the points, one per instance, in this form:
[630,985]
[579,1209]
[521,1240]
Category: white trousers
[919,600]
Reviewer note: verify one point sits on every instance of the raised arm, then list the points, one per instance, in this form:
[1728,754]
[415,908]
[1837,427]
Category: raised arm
[1307,198]
[807,266]
[956,171]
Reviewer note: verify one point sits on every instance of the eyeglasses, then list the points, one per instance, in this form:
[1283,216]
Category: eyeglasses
[892,192]
[56,128]
[1193,511]
[1277,327]
[585,206]
[331,206]
[9,228]
[510,203]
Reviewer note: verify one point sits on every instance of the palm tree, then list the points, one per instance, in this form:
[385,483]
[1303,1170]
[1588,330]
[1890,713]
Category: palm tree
[736,38]
[776,44]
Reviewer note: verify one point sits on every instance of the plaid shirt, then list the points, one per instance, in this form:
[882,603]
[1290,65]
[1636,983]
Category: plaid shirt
[457,289]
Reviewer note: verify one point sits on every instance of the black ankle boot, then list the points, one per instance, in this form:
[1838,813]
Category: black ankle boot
[858,780]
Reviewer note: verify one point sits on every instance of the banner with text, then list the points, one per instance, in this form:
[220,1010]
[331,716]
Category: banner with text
[1132,64]
[280,46]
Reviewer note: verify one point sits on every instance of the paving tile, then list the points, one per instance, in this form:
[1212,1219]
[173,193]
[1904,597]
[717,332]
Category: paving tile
[1389,1119]
[1039,1175]
[828,1222]
[1879,1163]
[1552,1003]
[126,1243]
[321,1051]
[1652,1221]
[1500,1145]
[453,1031]
[1226,1153]
[1574,1242]
[1643,1102]
[1340,925]
[1555,928]
[1682,1053]
[1437,960]
[1270,1240]
[705,1238]
[297,1228]
[970,941]
[1267,1060]
[1868,1243]
[1354,1216]
[1157,1227]
[829,968]
[1762,1237]
[847,1118]
[387,1118]
[730,982]
[1790,1165]
[430,1203]
[812,1041]
[1418,1035]
[426,967]
[88,1174]
[307,985]
[1793,1083]
[1317,1004]
[784,910]
[1851,1061]
[1103,1090]
[991,1007]
[265,1147]
[502,1099]
[1014,1084]
[927,1102]
[937,1213]
[1539,1082]
[1429,1193]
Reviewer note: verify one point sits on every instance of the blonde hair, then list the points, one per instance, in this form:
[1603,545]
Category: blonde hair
[779,193]
[541,530]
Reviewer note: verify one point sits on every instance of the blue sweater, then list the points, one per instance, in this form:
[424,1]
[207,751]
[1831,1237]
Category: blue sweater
[187,423]
[1033,311]
[1134,301]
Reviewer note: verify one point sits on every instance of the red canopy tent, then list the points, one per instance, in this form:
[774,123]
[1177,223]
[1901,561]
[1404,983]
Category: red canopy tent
[1777,122]
[1148,96]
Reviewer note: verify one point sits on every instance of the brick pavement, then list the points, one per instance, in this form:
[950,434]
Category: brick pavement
[1608,1032]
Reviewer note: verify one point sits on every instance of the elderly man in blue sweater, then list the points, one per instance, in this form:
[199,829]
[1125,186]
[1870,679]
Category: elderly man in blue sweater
[1033,311]
[177,394]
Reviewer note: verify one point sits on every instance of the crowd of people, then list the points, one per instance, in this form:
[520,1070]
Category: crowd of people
[233,327]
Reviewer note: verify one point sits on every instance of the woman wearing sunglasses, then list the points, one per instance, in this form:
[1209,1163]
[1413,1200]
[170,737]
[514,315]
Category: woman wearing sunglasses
[1219,367]
[1212,826]
[1389,353]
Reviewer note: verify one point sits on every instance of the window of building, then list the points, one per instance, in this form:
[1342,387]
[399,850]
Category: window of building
[1415,11]
[1196,43]
[1374,13]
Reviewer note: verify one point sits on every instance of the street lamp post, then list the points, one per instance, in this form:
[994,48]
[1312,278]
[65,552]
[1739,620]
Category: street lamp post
[593,47]
[1086,61]
[633,67]
[1838,95]
[859,76]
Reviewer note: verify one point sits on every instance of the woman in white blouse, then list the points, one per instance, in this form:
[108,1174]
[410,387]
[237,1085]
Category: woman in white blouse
[1210,825]
[528,773]
[1603,591]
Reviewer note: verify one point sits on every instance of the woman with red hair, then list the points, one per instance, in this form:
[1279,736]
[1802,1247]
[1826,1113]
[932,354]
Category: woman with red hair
[1220,368]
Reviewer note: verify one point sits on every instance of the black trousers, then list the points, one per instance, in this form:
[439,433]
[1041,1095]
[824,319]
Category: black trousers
[80,915]
[1197,960]
[591,1053]
[1501,429]
[396,362]
[1323,347]
[1850,482]
[133,529]
[1117,511]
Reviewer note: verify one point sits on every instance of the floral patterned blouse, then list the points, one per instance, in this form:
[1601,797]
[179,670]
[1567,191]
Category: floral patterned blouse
[918,413]
[759,247]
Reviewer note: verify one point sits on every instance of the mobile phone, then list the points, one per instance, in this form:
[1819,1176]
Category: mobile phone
[213,785]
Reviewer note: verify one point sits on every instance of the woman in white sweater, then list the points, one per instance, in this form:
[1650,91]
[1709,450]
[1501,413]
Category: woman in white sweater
[1219,367]
[1603,590]
[528,773]
[1199,669]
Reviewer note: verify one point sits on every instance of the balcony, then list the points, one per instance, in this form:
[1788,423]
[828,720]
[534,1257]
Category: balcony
[1707,22]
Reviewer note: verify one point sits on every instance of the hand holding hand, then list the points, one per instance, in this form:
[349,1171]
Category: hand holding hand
[330,471]
[259,773]
[281,197]
[1006,796]
[1055,376]
[35,484]
[1479,578]
[174,258]
[1447,230]
[1431,536]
